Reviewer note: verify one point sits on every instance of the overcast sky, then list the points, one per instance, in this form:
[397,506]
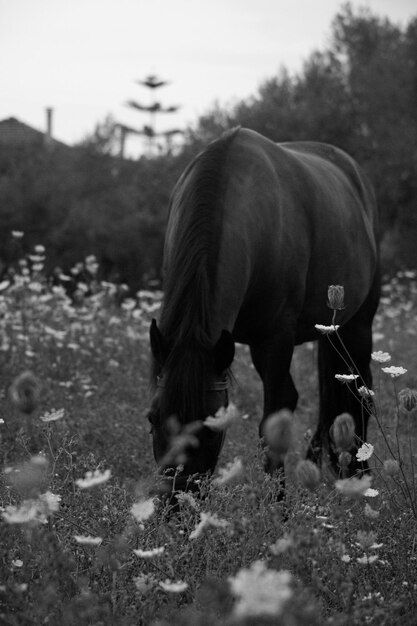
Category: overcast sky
[82,57]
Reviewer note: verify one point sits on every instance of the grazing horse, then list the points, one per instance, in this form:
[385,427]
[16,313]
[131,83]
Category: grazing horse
[257,231]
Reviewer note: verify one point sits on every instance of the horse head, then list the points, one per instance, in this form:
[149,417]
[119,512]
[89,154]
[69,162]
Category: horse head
[190,384]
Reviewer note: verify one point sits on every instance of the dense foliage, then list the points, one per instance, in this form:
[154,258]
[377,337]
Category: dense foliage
[360,94]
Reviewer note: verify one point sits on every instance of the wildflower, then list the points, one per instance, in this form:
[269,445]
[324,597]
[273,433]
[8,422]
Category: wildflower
[370,512]
[343,431]
[391,467]
[4,284]
[365,452]
[17,563]
[364,392]
[92,479]
[173,587]
[308,474]
[25,392]
[17,234]
[277,432]
[149,554]
[50,501]
[229,473]
[260,591]
[408,399]
[346,378]
[53,415]
[282,545]
[143,509]
[207,520]
[380,356]
[223,418]
[145,582]
[367,559]
[394,371]
[88,540]
[335,295]
[354,487]
[371,493]
[326,330]
[345,558]
[39,249]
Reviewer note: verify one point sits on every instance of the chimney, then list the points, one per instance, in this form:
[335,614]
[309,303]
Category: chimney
[48,133]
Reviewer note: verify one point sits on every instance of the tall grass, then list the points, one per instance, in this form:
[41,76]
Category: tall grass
[83,540]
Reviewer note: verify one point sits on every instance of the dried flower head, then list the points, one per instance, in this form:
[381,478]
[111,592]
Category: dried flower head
[25,392]
[308,474]
[408,399]
[277,432]
[335,296]
[343,431]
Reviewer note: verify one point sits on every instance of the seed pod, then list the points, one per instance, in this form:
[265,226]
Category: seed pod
[335,295]
[408,399]
[308,474]
[343,432]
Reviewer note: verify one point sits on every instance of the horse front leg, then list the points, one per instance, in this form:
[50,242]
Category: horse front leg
[272,360]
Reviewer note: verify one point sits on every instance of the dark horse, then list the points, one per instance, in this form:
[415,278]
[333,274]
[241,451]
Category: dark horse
[257,232]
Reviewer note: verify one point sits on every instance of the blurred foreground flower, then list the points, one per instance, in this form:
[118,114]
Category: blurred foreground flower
[308,474]
[224,417]
[29,477]
[25,392]
[92,479]
[207,520]
[356,487]
[391,467]
[277,433]
[33,510]
[260,591]
[231,472]
[143,509]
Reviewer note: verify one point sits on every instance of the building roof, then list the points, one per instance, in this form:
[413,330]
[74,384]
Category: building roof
[13,132]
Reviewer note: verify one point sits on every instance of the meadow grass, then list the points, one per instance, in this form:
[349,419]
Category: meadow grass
[78,477]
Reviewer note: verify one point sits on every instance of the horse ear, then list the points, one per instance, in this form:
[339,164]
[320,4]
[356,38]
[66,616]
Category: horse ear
[224,352]
[159,346]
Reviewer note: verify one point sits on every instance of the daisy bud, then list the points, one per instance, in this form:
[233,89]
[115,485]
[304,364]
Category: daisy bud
[391,467]
[25,392]
[344,459]
[335,295]
[308,474]
[277,432]
[343,431]
[408,399]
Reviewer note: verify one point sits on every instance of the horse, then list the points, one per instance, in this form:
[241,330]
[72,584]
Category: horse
[256,233]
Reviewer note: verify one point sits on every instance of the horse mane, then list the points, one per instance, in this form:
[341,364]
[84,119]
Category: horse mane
[191,279]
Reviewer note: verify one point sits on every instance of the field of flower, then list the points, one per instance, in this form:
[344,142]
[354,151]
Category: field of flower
[83,540]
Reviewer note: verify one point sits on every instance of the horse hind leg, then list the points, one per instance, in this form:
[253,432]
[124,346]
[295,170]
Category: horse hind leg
[354,356]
